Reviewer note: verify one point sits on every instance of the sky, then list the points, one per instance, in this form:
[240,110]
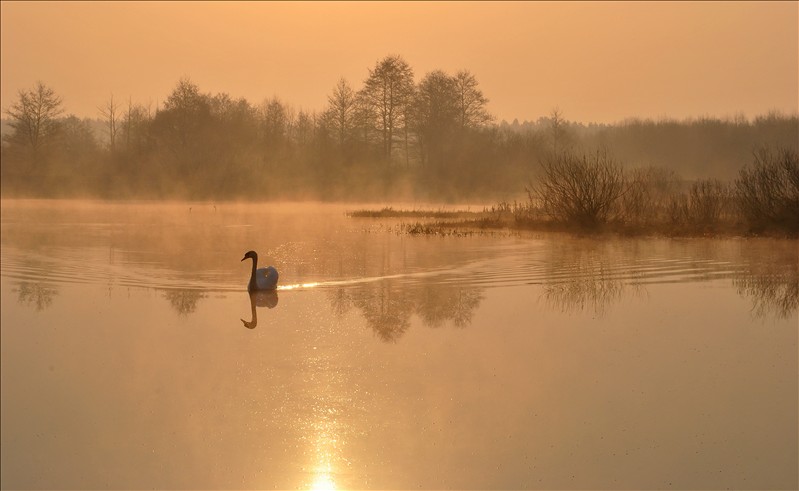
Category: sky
[597,62]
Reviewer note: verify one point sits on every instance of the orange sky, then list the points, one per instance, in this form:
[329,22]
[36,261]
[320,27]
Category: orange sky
[597,61]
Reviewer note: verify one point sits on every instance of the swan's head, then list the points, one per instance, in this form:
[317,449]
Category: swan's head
[250,255]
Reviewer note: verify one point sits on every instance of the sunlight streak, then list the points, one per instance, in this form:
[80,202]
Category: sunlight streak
[298,286]
[323,482]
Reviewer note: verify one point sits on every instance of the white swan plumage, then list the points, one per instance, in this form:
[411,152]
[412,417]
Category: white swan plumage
[261,278]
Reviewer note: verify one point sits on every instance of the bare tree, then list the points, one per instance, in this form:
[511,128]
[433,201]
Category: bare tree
[133,126]
[276,123]
[184,112]
[388,90]
[558,130]
[109,113]
[437,115]
[341,111]
[471,102]
[34,118]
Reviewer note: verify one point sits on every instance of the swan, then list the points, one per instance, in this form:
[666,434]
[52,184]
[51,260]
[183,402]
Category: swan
[261,278]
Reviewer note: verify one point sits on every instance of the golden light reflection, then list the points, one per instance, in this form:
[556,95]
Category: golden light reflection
[325,427]
[298,286]
[325,452]
[323,482]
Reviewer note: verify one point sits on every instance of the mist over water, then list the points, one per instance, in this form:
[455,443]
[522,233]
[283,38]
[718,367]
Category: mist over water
[133,356]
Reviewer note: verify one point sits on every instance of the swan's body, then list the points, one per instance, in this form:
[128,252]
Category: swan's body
[261,278]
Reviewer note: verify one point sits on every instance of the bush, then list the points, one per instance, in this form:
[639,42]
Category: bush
[703,207]
[581,189]
[648,194]
[768,192]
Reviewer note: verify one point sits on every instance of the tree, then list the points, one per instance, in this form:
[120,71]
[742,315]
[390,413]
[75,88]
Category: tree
[76,155]
[388,90]
[184,123]
[34,118]
[134,127]
[109,113]
[470,102]
[276,120]
[340,113]
[437,115]
[558,130]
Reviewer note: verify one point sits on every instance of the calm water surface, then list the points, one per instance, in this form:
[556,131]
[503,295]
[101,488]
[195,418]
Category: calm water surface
[133,357]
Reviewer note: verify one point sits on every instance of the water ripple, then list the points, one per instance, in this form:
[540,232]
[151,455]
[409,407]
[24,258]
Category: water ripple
[513,267]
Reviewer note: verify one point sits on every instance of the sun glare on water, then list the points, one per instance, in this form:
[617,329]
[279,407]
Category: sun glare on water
[298,286]
[323,482]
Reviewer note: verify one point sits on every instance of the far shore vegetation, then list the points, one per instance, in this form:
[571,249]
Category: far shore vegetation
[592,193]
[395,138]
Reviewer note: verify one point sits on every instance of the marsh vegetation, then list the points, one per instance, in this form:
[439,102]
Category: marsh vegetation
[594,193]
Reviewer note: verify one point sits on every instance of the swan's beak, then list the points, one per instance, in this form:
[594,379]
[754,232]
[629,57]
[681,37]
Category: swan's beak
[245,257]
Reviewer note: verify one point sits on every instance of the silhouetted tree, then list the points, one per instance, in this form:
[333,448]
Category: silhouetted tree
[276,119]
[34,118]
[558,130]
[437,116]
[182,125]
[388,91]
[109,112]
[341,112]
[135,128]
[471,102]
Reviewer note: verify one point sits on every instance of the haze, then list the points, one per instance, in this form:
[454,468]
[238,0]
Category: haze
[598,62]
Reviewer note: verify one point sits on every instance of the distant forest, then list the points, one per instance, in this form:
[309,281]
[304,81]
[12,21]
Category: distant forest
[389,138]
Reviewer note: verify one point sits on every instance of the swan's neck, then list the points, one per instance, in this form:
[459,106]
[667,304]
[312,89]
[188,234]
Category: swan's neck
[253,285]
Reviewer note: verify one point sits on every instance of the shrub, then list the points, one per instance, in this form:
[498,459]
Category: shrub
[768,191]
[647,197]
[581,189]
[704,205]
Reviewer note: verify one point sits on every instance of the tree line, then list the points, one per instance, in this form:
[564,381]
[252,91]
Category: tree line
[389,138]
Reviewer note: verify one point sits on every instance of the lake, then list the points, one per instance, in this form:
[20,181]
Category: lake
[133,356]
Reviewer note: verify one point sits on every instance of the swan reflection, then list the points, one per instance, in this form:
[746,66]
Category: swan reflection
[267,298]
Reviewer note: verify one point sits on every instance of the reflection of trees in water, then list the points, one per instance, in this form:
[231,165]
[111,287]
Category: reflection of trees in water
[591,275]
[591,293]
[387,306]
[456,303]
[386,309]
[772,282]
[36,295]
[184,301]
[582,276]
